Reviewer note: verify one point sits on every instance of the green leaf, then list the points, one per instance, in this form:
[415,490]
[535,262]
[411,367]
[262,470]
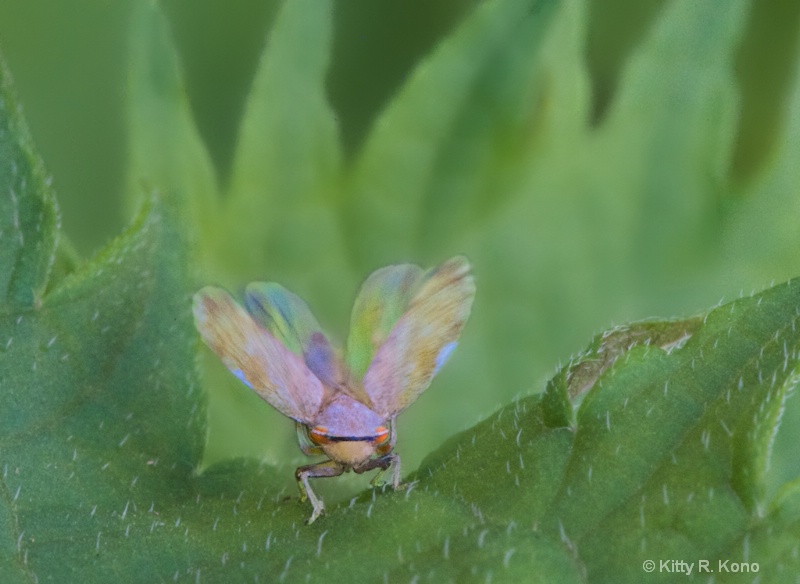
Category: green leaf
[287,164]
[667,458]
[101,416]
[761,237]
[774,540]
[103,421]
[651,444]
[572,382]
[615,227]
[28,210]
[463,118]
[674,122]
[760,241]
[166,153]
[165,149]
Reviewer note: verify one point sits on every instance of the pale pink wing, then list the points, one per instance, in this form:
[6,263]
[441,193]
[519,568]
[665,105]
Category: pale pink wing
[422,339]
[256,357]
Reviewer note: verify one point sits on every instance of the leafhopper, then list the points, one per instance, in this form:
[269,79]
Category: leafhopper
[404,325]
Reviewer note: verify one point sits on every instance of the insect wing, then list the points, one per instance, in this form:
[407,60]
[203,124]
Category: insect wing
[282,313]
[290,320]
[423,338]
[256,357]
[383,298]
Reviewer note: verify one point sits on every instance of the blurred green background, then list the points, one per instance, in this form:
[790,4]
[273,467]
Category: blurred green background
[553,264]
[69,63]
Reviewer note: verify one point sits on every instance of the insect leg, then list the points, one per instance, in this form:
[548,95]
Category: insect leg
[329,468]
[383,463]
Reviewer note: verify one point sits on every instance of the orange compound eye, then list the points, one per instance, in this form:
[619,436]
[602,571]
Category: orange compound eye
[318,435]
[381,435]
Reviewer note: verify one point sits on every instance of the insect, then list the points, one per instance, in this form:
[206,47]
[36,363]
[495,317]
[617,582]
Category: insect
[404,325]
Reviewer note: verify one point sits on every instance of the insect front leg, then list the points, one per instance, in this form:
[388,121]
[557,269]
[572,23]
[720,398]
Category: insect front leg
[383,463]
[329,468]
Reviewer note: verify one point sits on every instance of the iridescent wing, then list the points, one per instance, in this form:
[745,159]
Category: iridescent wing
[422,339]
[290,320]
[382,300]
[256,357]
